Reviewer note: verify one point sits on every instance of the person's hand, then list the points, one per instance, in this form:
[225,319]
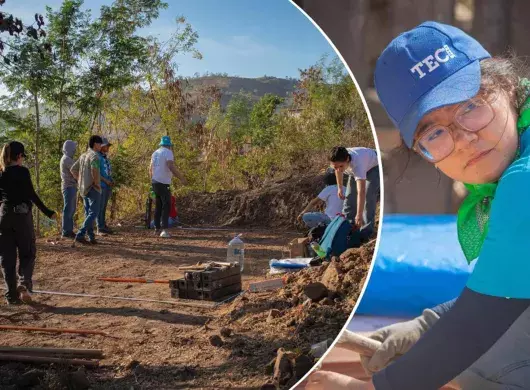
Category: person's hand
[299,218]
[55,217]
[340,193]
[359,222]
[327,380]
[396,340]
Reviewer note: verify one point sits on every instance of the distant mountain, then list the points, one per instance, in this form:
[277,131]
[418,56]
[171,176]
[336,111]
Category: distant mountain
[229,85]
[232,85]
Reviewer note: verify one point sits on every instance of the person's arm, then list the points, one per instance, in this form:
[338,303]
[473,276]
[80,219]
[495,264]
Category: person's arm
[30,190]
[96,173]
[454,343]
[75,170]
[315,202]
[68,163]
[361,198]
[151,169]
[107,182]
[171,166]
[339,175]
[102,172]
[443,308]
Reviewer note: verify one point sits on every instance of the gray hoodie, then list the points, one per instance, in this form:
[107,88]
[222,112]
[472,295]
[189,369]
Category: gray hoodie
[67,180]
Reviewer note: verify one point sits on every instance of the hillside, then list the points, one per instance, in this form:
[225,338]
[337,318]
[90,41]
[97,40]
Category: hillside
[229,85]
[232,85]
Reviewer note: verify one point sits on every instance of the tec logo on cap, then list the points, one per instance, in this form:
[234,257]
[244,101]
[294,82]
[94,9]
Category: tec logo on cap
[433,61]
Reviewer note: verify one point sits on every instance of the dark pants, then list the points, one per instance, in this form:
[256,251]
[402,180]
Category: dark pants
[17,233]
[91,202]
[70,203]
[350,203]
[162,205]
[106,192]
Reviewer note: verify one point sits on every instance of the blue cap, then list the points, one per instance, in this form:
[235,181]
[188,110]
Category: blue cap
[165,141]
[428,67]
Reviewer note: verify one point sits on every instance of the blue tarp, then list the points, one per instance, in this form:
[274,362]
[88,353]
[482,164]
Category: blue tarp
[419,264]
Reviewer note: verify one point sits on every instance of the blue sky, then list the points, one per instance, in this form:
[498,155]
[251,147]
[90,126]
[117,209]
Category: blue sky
[248,38]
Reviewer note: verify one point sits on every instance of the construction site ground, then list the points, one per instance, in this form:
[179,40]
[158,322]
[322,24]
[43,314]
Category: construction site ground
[163,346]
[154,345]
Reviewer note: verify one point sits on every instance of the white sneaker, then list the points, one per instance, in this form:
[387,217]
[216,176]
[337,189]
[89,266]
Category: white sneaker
[164,234]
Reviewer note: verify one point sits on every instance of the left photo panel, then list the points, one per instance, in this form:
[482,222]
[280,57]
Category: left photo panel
[189,194]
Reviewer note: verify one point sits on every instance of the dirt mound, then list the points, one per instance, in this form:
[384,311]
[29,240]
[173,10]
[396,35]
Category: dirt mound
[292,320]
[275,205]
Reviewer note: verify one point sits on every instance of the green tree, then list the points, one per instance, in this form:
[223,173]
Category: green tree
[119,52]
[26,78]
[70,36]
[262,120]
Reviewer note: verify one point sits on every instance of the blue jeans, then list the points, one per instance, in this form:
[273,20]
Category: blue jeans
[312,220]
[506,365]
[372,192]
[70,202]
[105,196]
[91,201]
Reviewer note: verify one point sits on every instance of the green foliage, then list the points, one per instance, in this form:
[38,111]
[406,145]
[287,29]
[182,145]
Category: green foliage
[101,76]
[262,122]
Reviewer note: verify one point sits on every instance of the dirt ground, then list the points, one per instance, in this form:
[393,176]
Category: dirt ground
[167,346]
[160,345]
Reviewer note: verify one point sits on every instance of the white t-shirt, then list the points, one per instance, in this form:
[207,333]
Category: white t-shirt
[159,159]
[333,202]
[362,160]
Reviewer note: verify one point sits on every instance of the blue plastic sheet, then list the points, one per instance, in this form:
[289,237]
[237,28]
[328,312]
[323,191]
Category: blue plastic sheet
[419,265]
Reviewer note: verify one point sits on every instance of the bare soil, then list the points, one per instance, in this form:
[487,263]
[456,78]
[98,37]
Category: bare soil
[167,346]
[275,206]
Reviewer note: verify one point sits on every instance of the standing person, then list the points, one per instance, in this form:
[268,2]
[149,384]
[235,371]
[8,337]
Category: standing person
[328,196]
[106,186]
[468,114]
[69,188]
[161,170]
[86,170]
[17,197]
[360,199]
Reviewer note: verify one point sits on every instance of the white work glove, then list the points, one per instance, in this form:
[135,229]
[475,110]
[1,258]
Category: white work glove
[396,340]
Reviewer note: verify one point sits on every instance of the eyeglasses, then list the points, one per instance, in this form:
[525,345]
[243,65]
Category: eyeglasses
[437,142]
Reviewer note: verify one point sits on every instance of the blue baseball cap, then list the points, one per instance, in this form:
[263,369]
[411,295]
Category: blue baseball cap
[431,66]
[165,141]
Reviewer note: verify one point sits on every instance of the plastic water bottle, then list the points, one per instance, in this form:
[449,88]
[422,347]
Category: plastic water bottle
[236,252]
[318,250]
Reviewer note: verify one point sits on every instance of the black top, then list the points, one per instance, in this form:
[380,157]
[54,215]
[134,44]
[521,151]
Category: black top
[16,188]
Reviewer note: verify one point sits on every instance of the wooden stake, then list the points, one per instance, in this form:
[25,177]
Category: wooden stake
[93,353]
[193,267]
[53,330]
[46,359]
[133,280]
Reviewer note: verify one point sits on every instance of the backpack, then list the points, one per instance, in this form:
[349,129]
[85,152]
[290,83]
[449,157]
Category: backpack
[339,236]
[316,233]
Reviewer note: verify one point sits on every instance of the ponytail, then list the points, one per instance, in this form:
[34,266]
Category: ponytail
[5,157]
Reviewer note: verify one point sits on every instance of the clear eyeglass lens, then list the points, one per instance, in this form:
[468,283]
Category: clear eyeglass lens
[436,144]
[474,115]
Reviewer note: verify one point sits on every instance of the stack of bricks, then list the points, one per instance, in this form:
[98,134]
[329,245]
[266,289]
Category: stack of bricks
[209,285]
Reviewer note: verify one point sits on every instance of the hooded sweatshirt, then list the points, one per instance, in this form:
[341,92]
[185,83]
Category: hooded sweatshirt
[67,179]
